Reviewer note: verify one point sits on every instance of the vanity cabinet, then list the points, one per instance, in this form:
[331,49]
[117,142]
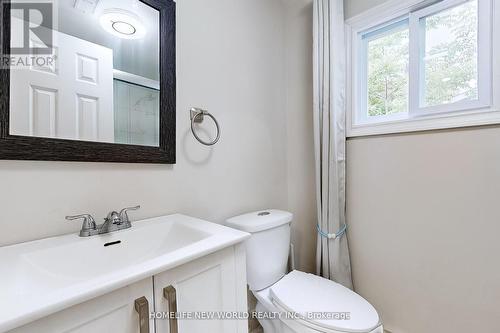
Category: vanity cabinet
[211,285]
[113,312]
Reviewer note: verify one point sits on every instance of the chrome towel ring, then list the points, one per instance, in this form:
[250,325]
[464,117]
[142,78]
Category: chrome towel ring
[197,115]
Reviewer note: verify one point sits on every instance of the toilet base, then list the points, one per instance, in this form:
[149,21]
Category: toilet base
[291,326]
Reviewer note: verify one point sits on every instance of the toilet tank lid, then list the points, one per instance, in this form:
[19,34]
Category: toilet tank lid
[260,220]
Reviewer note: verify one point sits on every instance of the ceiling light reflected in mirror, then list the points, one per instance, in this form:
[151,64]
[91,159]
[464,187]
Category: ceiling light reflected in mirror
[124,28]
[122,23]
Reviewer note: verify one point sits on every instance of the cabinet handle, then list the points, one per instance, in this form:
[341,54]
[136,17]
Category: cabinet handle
[142,308]
[171,296]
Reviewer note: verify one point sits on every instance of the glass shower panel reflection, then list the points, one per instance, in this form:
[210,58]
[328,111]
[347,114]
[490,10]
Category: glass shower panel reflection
[136,114]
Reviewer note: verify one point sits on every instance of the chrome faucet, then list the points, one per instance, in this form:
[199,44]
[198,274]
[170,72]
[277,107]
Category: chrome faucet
[89,227]
[113,222]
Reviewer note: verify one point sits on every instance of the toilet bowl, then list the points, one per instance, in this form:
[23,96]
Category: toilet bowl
[296,302]
[307,303]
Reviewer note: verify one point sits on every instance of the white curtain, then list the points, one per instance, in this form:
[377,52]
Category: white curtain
[333,260]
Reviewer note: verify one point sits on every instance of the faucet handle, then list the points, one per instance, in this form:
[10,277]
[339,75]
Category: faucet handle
[123,213]
[113,218]
[89,226]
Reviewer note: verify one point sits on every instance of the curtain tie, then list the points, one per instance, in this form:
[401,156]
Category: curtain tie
[336,235]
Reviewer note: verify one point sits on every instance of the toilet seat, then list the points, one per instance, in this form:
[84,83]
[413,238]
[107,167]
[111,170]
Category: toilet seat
[303,294]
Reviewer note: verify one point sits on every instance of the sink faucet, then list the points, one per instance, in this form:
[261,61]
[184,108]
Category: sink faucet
[113,222]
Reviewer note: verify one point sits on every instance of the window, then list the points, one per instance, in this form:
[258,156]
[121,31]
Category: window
[446,55]
[434,61]
[449,55]
[385,62]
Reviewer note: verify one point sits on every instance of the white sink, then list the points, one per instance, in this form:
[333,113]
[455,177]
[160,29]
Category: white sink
[42,277]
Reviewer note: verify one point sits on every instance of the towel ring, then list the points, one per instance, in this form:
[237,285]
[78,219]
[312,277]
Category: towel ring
[197,116]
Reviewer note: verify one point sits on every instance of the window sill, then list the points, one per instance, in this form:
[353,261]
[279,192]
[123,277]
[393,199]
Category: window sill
[427,123]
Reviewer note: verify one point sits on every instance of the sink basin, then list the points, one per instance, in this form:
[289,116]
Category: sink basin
[42,277]
[80,260]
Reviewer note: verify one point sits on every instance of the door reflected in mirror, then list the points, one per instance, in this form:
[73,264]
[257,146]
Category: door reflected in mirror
[103,83]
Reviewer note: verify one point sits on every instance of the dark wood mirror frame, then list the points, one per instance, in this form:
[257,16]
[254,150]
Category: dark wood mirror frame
[14,147]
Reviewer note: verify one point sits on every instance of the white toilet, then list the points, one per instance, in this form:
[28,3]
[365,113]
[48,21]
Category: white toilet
[296,302]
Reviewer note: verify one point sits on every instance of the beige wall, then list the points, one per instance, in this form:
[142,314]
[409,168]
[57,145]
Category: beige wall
[423,219]
[423,215]
[354,7]
[230,61]
[300,153]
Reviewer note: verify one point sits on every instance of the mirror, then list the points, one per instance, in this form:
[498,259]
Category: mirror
[95,75]
[88,80]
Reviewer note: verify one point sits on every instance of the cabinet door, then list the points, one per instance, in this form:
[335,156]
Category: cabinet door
[114,312]
[213,285]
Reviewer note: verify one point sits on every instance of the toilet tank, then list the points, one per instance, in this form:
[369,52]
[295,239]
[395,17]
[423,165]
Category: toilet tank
[267,250]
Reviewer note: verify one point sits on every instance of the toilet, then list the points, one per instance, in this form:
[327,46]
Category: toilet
[296,302]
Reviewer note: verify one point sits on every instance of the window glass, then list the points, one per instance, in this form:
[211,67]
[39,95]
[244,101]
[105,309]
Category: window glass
[387,71]
[450,56]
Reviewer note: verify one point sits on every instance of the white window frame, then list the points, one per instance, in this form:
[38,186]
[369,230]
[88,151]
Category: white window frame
[483,111]
[416,65]
[392,26]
